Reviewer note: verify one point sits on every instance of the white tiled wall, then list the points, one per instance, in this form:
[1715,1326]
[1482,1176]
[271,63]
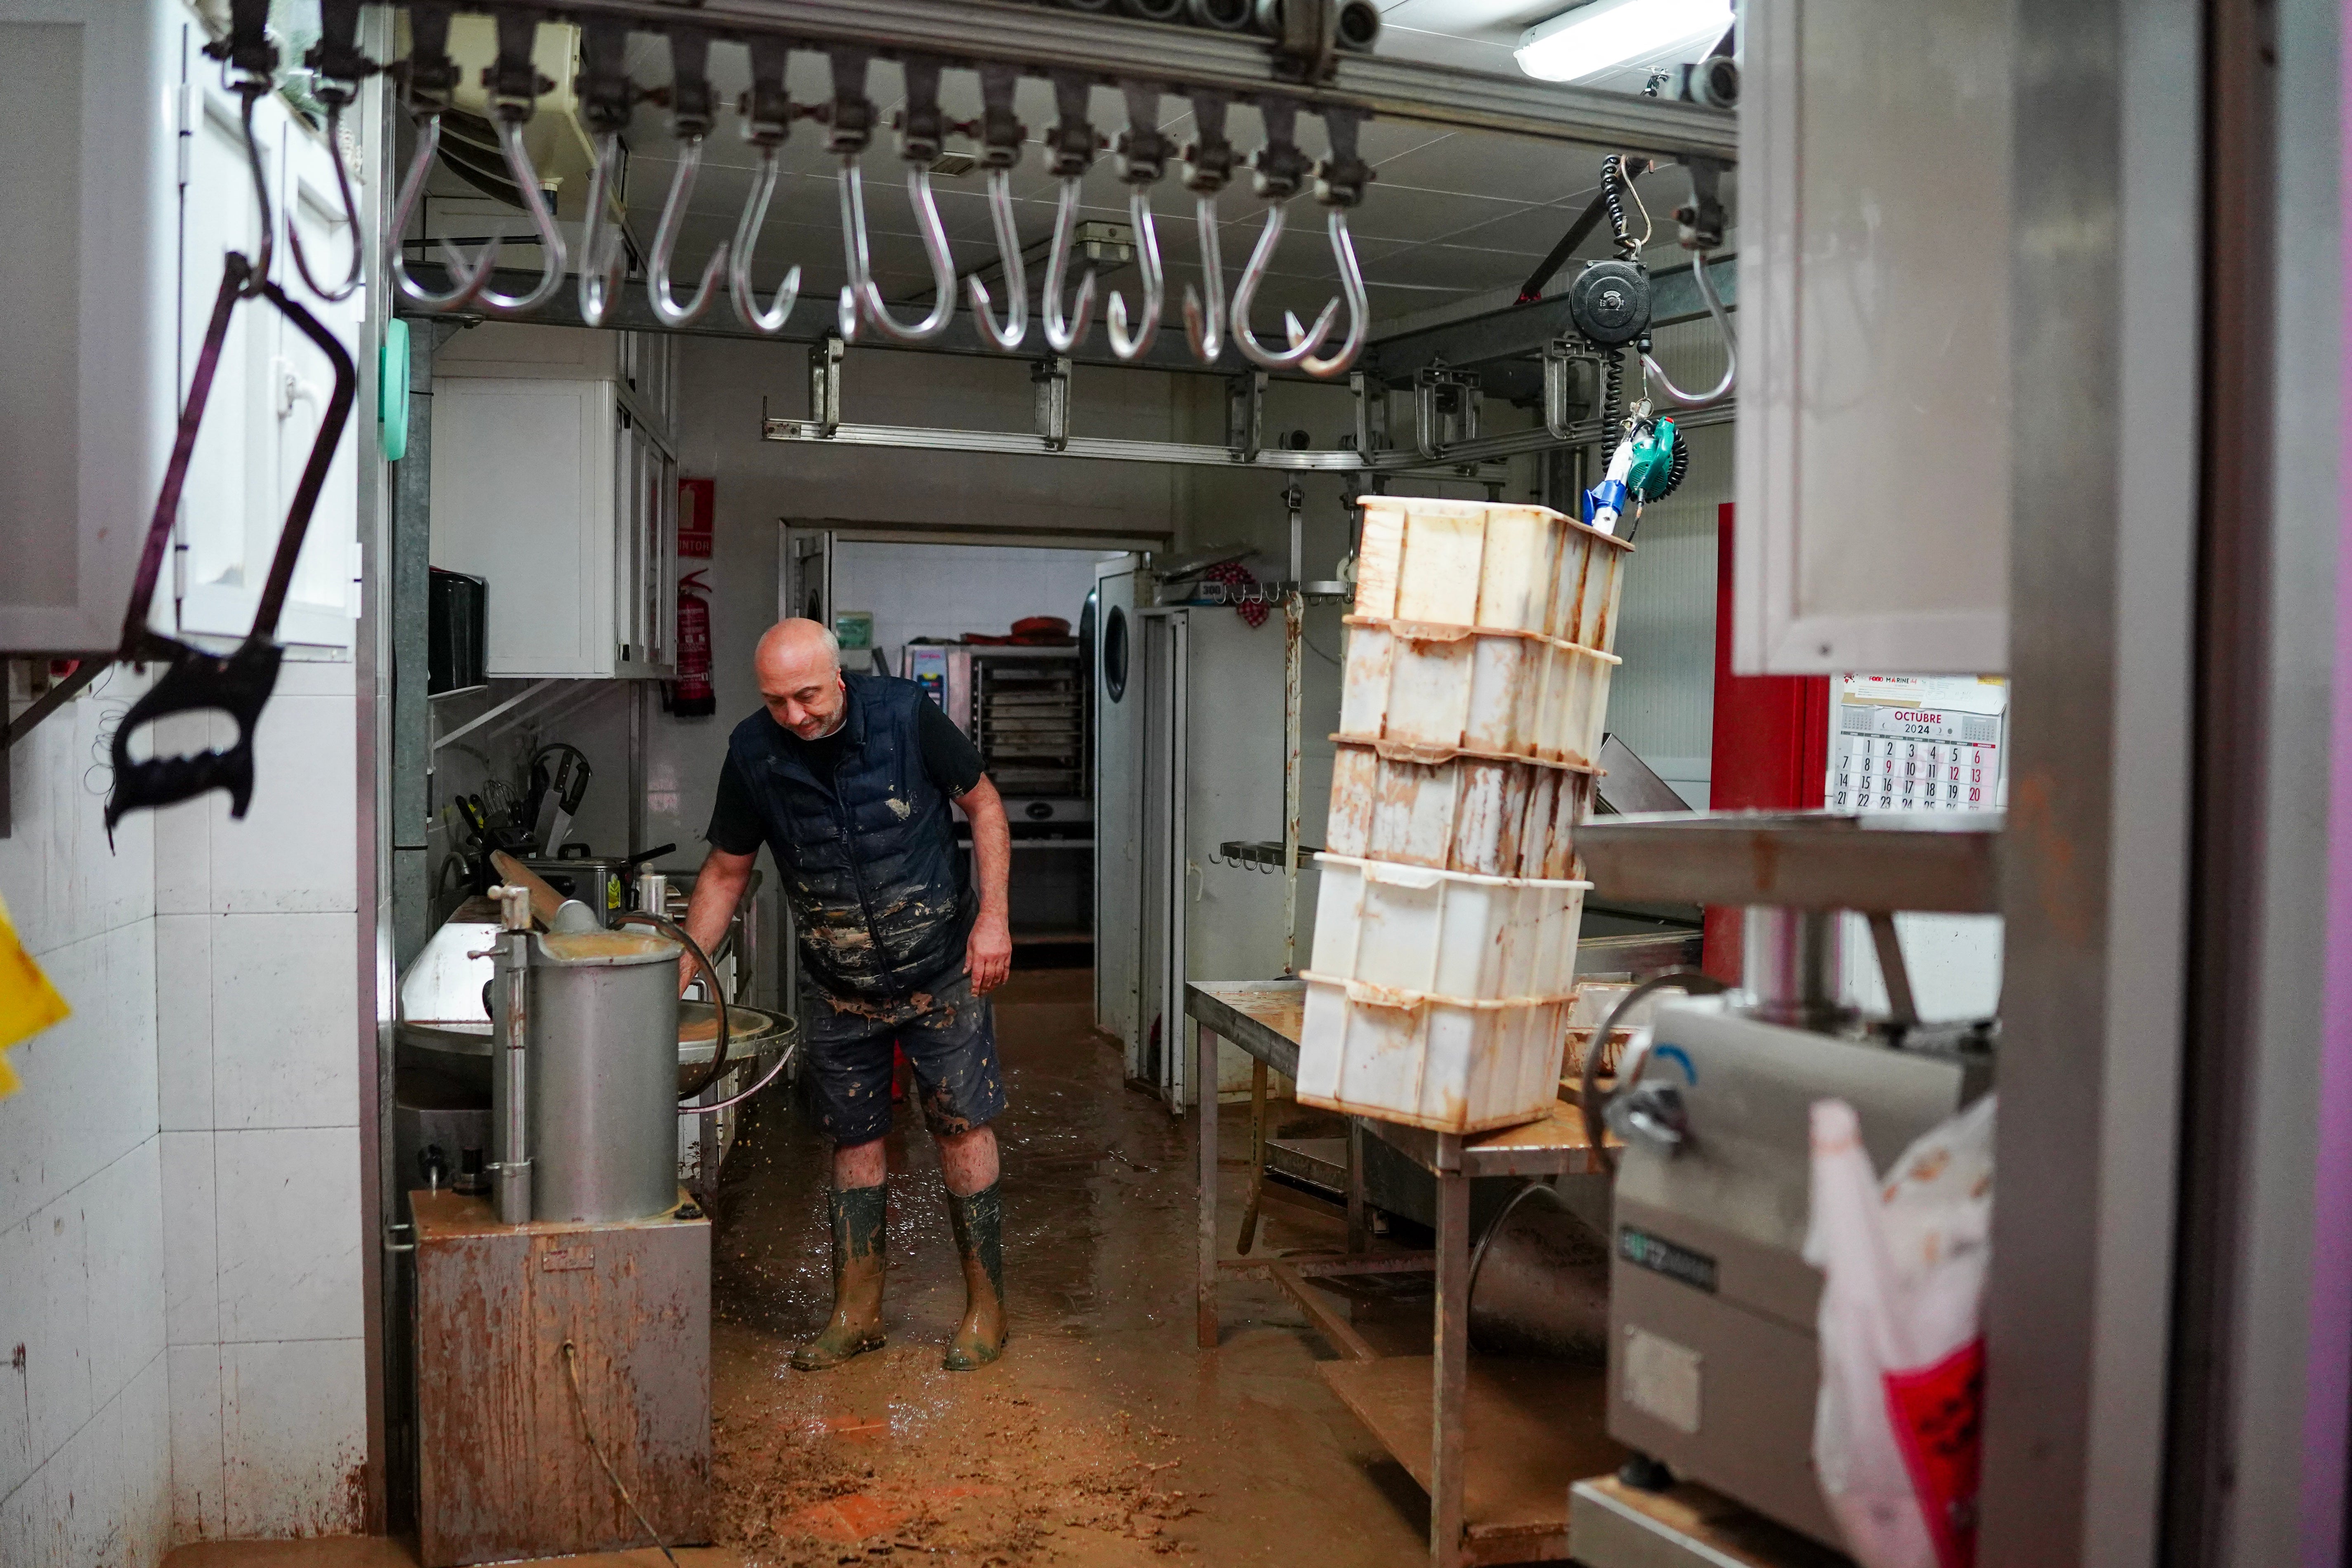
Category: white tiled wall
[181,1302]
[84,1468]
[257,969]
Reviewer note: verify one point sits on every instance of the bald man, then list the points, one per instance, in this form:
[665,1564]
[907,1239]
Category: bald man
[847,780]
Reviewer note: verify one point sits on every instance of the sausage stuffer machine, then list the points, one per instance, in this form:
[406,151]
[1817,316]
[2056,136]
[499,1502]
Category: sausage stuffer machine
[1713,1363]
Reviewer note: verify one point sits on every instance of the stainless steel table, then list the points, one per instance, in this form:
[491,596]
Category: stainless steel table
[1263,1019]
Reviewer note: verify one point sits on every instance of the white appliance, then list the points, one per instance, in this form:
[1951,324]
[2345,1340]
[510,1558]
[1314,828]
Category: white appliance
[1189,747]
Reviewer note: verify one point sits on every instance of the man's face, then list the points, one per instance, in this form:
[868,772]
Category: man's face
[804,693]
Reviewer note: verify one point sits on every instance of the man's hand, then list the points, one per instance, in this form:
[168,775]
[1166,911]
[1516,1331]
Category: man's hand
[988,956]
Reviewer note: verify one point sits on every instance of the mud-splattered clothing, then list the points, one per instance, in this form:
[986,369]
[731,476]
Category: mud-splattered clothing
[949,1039]
[880,890]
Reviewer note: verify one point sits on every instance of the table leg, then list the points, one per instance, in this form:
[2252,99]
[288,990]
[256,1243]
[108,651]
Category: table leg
[1204,1080]
[1359,1220]
[1257,1158]
[1450,1371]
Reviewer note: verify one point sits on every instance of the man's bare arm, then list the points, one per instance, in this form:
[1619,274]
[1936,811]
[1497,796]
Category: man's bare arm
[988,956]
[718,889]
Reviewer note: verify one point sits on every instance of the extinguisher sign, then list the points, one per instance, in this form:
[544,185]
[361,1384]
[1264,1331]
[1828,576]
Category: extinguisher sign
[694,513]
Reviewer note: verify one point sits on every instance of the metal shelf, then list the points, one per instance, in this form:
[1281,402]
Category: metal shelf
[1925,862]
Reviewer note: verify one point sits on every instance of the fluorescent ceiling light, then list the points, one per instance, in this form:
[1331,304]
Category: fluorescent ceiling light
[1606,33]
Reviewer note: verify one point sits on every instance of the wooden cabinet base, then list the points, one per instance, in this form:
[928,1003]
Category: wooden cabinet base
[505,1468]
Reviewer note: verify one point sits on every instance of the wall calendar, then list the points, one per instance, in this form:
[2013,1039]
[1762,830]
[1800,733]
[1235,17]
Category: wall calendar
[1919,743]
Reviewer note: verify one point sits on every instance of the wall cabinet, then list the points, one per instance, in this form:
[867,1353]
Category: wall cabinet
[554,480]
[126,181]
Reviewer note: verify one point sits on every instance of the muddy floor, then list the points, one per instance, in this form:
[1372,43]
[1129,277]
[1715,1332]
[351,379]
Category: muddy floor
[1104,1436]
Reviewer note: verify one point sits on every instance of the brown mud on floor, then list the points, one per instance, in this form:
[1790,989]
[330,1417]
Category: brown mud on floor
[1104,1436]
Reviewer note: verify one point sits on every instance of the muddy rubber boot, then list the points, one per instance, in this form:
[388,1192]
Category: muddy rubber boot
[859,1260]
[979,1222]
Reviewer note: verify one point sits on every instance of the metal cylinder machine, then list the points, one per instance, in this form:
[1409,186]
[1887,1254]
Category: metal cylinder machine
[563,1320]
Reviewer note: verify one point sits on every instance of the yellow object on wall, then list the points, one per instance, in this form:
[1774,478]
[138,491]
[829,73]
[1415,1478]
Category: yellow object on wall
[29,1003]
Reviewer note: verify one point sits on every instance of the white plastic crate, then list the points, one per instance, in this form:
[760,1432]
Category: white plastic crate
[1456,813]
[1500,694]
[1485,563]
[1450,1064]
[1446,934]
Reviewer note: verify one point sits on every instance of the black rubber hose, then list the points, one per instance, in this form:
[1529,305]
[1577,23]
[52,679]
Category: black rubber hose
[1612,405]
[1613,191]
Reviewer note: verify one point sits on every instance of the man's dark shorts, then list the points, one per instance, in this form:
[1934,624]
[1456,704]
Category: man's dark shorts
[949,1039]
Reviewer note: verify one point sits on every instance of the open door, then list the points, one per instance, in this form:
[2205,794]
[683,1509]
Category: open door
[804,587]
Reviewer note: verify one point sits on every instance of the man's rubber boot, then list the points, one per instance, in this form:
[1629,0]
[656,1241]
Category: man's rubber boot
[979,1222]
[859,1232]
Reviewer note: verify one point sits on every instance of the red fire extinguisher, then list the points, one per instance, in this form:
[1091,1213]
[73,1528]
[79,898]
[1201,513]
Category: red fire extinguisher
[690,695]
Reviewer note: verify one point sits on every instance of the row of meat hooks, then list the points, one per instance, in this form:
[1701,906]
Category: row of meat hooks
[1141,155]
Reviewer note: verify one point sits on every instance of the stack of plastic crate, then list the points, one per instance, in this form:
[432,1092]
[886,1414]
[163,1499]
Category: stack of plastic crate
[1475,687]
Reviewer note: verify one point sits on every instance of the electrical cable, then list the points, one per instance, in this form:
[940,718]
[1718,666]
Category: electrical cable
[580,1403]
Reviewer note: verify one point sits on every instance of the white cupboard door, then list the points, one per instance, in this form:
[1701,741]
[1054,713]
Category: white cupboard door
[221,562]
[89,120]
[524,494]
[270,395]
[323,603]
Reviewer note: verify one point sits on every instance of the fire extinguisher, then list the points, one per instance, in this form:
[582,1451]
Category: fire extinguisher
[690,695]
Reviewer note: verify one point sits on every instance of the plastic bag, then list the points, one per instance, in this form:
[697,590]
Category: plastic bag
[1896,1425]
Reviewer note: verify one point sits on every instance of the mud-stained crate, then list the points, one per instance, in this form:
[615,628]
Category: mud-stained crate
[1503,694]
[1489,565]
[504,1468]
[1451,1064]
[1500,816]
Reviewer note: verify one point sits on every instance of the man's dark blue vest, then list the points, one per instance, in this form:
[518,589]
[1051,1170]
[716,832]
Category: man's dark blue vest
[877,882]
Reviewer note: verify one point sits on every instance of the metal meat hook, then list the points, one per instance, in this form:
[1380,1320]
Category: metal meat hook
[767,120]
[1339,183]
[1063,332]
[1280,168]
[692,113]
[471,275]
[607,98]
[601,250]
[1722,389]
[1304,341]
[1072,145]
[922,134]
[337,66]
[1142,160]
[515,85]
[1208,168]
[673,218]
[1002,136]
